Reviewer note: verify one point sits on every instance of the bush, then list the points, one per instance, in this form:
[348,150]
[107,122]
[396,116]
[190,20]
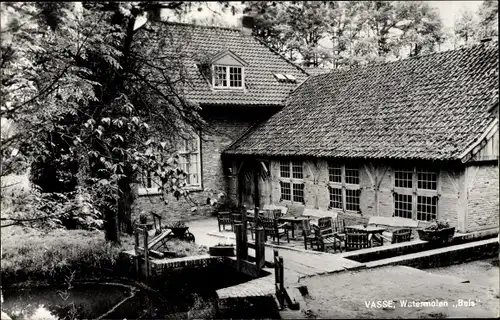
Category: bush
[35,209]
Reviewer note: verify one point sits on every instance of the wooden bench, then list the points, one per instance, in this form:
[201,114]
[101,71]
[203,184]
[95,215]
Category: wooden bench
[393,222]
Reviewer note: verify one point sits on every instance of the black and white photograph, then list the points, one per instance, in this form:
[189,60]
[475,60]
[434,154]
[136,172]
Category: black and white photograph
[249,160]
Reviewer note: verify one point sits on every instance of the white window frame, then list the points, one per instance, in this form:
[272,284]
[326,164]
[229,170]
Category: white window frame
[228,77]
[415,192]
[291,180]
[183,152]
[343,186]
[153,190]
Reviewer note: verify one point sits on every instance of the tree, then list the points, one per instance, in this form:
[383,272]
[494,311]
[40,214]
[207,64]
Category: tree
[360,31]
[294,27]
[85,86]
[466,26]
[488,18]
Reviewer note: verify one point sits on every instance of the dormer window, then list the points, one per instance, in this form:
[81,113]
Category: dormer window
[228,71]
[227,77]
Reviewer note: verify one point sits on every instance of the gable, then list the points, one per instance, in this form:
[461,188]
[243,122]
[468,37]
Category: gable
[486,147]
[228,58]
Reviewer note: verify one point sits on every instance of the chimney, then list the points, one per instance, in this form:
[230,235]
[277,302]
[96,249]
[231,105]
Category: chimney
[247,25]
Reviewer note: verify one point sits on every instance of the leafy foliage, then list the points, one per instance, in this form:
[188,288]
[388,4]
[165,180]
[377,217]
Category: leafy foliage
[470,27]
[86,92]
[361,31]
[437,225]
[35,209]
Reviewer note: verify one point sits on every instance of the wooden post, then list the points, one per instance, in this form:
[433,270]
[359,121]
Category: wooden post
[278,278]
[244,234]
[146,253]
[239,245]
[256,217]
[260,260]
[136,245]
[282,279]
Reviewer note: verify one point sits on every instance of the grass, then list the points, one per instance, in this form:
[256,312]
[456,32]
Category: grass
[38,254]
[30,254]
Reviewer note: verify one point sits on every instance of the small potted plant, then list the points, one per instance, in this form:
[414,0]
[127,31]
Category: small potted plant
[178,228]
[437,231]
[143,218]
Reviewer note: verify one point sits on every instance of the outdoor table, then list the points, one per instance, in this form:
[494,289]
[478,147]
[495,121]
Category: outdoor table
[373,231]
[293,221]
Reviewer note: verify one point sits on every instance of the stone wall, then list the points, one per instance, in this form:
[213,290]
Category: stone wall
[483,196]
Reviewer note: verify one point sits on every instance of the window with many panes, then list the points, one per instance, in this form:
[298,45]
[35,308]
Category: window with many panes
[343,186]
[190,161]
[227,77]
[291,181]
[415,193]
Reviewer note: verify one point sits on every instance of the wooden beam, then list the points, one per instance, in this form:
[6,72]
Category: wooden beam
[465,156]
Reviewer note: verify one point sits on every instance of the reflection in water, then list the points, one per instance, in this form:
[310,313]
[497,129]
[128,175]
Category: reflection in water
[183,293]
[83,301]
[33,314]
[93,301]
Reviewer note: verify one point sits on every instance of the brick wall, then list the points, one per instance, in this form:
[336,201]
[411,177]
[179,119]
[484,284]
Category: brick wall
[483,194]
[224,126]
[372,176]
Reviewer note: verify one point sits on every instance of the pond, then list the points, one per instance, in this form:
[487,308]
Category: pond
[119,301]
[90,301]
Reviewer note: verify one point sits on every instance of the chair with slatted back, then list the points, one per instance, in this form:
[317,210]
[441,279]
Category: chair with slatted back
[325,222]
[339,229]
[324,238]
[401,235]
[357,240]
[224,218]
[236,218]
[273,229]
[308,234]
[276,213]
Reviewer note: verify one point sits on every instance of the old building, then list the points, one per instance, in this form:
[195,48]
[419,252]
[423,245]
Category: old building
[416,138]
[238,82]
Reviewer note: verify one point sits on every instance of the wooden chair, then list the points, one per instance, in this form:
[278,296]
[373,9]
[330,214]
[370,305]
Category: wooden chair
[273,229]
[308,234]
[224,218]
[236,218]
[339,229]
[324,238]
[356,240]
[325,222]
[251,223]
[401,235]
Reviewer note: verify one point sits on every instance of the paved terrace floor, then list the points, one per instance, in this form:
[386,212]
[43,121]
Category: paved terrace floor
[298,263]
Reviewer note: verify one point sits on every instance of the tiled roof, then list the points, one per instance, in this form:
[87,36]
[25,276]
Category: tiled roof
[262,87]
[430,107]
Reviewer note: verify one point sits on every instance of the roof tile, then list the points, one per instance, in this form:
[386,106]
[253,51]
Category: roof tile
[262,87]
[429,107]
